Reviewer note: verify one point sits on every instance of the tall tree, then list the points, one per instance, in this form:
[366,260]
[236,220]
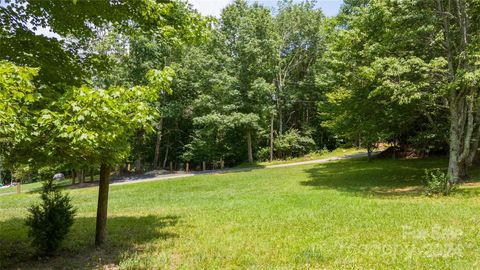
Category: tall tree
[419,55]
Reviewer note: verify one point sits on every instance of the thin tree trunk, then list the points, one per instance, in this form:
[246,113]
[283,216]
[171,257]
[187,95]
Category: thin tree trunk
[165,159]
[157,145]
[249,145]
[81,176]
[74,176]
[102,205]
[279,103]
[455,144]
[92,172]
[271,136]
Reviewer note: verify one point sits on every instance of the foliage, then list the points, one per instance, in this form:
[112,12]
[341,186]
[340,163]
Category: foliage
[16,93]
[293,144]
[50,221]
[23,174]
[94,125]
[263,154]
[436,183]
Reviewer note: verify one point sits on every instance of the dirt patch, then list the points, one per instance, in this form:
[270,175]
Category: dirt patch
[471,185]
[398,191]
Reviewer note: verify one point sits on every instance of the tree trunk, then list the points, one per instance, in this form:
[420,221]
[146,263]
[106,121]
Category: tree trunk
[455,142]
[81,176]
[279,103]
[102,205]
[92,175]
[166,157]
[280,120]
[157,145]
[138,165]
[74,176]
[271,136]
[249,145]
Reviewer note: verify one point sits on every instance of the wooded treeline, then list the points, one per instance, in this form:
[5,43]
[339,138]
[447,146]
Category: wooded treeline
[147,83]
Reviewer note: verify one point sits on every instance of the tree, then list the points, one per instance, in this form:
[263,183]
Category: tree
[87,112]
[98,124]
[299,43]
[418,55]
[50,221]
[241,59]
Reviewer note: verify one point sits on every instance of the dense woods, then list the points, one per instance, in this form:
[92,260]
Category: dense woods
[137,85]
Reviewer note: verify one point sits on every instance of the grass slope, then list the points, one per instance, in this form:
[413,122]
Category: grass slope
[350,214]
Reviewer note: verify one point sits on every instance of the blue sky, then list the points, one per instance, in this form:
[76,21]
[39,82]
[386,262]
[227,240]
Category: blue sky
[214,7]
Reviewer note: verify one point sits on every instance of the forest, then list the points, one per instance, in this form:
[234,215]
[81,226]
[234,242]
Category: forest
[124,87]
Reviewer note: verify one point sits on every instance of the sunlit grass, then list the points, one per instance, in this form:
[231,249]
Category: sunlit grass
[31,187]
[350,214]
[311,156]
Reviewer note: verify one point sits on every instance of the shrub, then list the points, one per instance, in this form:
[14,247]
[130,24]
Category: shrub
[436,183]
[50,221]
[263,154]
[293,144]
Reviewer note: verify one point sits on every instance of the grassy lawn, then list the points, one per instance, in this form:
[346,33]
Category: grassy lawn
[350,214]
[312,156]
[32,187]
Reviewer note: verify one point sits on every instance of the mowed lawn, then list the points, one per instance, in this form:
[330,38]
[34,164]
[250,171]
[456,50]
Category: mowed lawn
[351,214]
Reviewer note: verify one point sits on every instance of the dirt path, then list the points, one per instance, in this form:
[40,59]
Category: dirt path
[227,170]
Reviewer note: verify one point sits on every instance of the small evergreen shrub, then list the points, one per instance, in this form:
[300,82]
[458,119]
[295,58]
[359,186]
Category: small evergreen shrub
[436,183]
[50,221]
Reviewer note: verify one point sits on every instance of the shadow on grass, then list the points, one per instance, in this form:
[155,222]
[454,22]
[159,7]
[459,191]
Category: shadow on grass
[379,177]
[125,234]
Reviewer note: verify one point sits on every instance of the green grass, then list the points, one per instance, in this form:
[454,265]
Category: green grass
[311,156]
[351,214]
[32,187]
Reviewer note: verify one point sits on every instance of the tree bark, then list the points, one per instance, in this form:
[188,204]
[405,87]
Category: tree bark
[455,142]
[249,145]
[157,145]
[279,103]
[165,158]
[102,205]
[271,136]
[81,176]
[74,176]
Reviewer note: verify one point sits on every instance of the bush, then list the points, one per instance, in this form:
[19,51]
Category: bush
[50,220]
[436,183]
[263,154]
[293,144]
